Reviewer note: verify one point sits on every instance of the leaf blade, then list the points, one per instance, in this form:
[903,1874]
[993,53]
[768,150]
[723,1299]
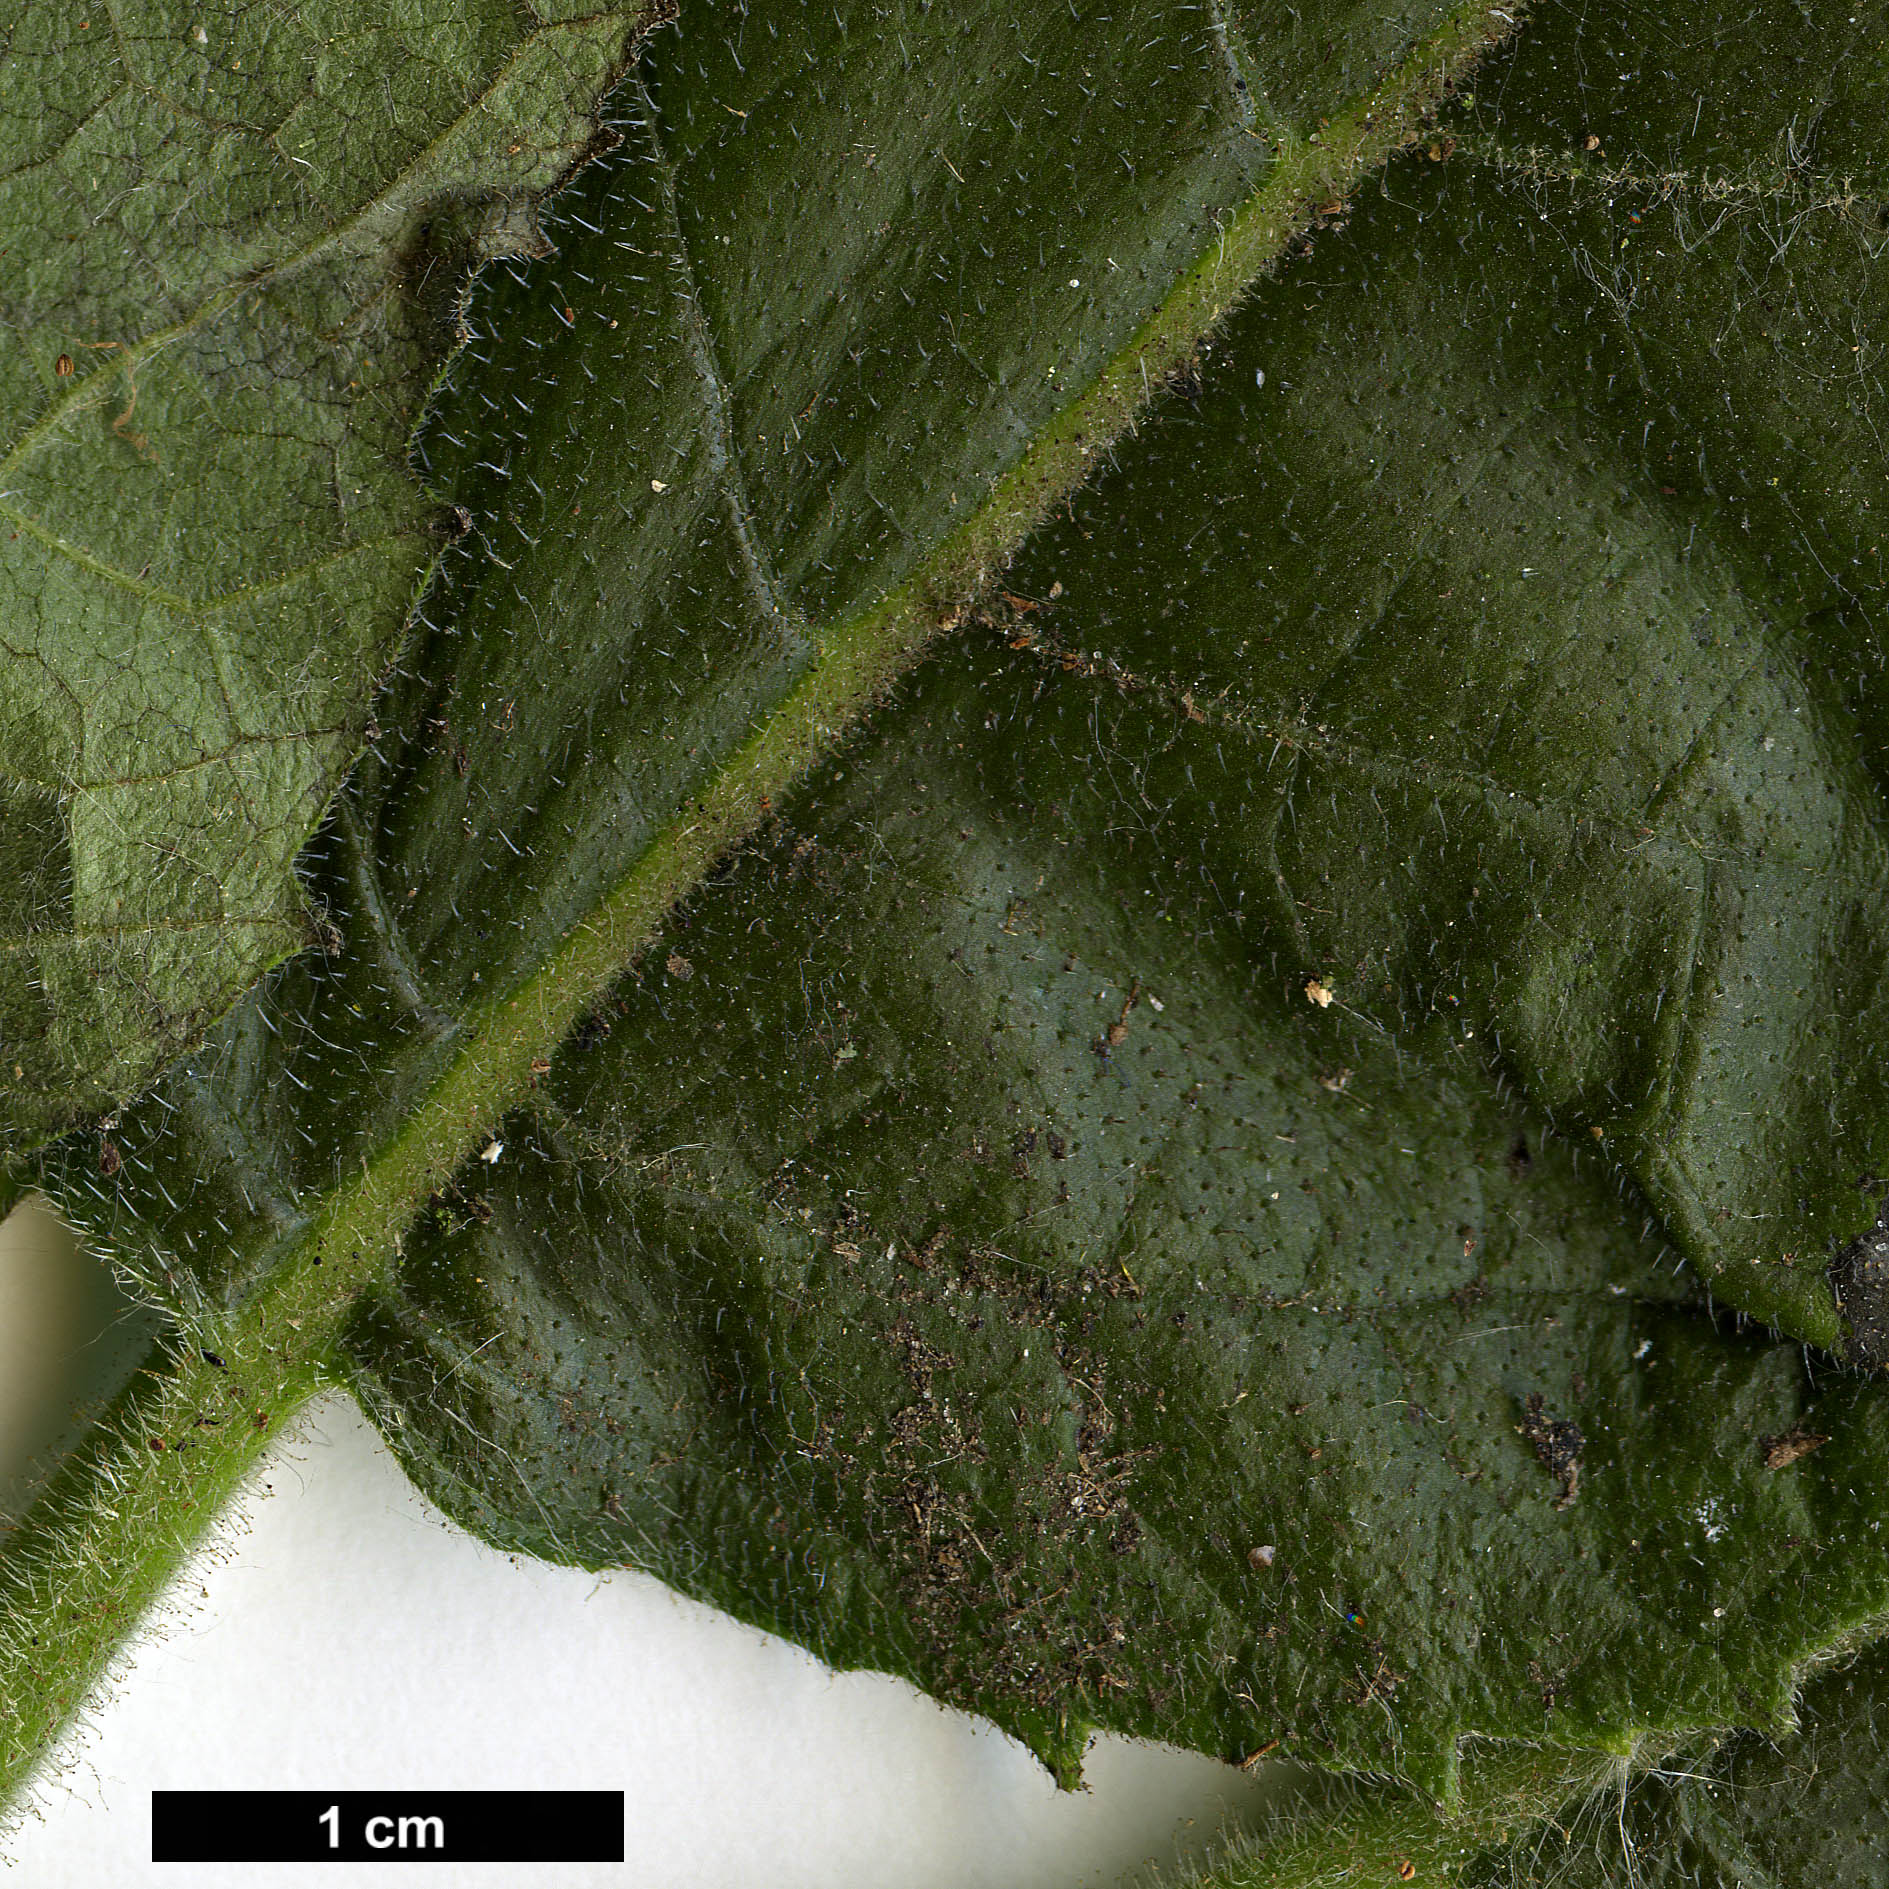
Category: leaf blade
[211,366]
[861,1178]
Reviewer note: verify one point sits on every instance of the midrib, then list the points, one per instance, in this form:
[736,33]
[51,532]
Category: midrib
[358,1227]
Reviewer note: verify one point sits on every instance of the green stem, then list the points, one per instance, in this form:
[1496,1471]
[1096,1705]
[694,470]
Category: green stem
[98,1548]
[858,660]
[124,1512]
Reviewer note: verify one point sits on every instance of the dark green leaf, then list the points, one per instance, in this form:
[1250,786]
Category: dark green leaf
[1136,1107]
[953,1250]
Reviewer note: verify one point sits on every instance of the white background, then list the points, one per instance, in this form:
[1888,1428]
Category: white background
[343,1635]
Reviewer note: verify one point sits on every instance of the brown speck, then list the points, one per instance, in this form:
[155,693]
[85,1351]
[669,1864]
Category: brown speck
[1261,1557]
[678,966]
[109,1159]
[1317,991]
[1117,1033]
[63,366]
[1590,142]
[1781,1451]
[1470,1294]
[1558,1442]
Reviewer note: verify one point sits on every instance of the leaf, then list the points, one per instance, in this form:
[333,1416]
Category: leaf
[742,1286]
[238,240]
[1049,224]
[1323,1832]
[960,1257]
[1806,1808]
[506,1357]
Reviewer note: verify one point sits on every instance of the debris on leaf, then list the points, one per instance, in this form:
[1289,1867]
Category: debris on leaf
[1558,1442]
[1780,1451]
[1117,1032]
[1317,991]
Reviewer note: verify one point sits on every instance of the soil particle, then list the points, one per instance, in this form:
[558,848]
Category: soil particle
[1558,1442]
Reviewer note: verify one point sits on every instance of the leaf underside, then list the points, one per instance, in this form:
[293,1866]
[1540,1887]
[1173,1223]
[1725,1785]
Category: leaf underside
[1158,1192]
[855,1281]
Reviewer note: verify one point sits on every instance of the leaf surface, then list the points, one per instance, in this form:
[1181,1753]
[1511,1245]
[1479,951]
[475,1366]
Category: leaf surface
[642,638]
[1754,1814]
[1518,590]
[954,1252]
[660,619]
[1134,1109]
[237,240]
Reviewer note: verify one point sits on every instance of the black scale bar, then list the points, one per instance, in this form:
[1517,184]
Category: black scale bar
[386,1826]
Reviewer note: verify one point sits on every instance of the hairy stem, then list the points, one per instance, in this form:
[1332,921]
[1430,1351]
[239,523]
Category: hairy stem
[127,1508]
